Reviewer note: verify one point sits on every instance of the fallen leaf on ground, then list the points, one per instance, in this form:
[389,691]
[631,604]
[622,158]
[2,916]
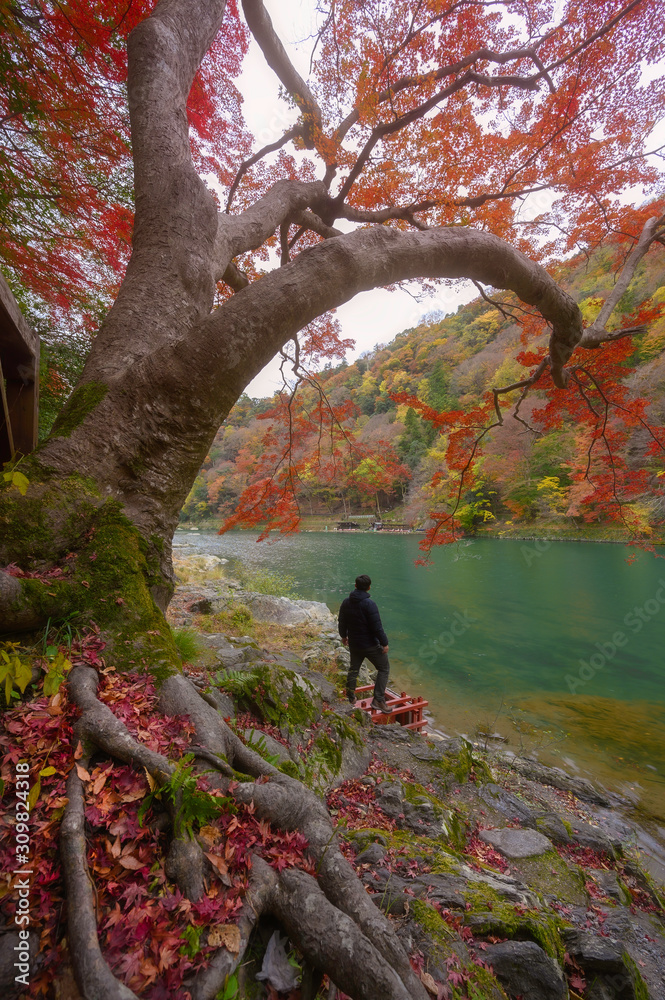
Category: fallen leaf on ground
[227,936]
[429,984]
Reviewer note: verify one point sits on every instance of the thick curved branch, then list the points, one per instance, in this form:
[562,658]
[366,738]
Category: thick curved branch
[596,334]
[381,215]
[165,51]
[237,234]
[249,329]
[235,278]
[260,25]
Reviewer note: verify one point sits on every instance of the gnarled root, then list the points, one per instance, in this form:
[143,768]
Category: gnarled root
[185,864]
[93,976]
[209,982]
[331,919]
[290,805]
[332,941]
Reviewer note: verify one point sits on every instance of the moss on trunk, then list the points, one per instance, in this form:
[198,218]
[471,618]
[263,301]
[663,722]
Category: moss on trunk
[109,576]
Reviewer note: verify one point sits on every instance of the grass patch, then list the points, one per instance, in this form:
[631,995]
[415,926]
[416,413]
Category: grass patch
[187,644]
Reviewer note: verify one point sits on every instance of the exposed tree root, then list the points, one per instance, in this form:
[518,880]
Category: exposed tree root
[332,941]
[209,982]
[93,976]
[185,864]
[290,805]
[331,919]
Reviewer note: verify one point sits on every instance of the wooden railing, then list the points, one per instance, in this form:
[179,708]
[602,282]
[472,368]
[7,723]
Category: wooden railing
[19,379]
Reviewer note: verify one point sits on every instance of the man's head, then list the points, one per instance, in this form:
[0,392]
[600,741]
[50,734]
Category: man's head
[363,582]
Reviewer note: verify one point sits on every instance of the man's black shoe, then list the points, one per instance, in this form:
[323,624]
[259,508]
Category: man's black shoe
[351,695]
[379,704]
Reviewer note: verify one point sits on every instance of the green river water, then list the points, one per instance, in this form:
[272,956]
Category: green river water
[558,646]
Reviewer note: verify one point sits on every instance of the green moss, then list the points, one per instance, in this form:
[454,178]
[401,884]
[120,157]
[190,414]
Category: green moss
[82,401]
[289,767]
[503,920]
[458,767]
[344,729]
[549,875]
[431,922]
[640,988]
[482,985]
[479,982]
[446,863]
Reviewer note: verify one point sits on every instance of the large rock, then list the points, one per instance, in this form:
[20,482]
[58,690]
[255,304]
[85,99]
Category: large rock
[517,843]
[420,814]
[590,836]
[595,953]
[525,971]
[283,611]
[553,827]
[198,563]
[507,804]
[531,768]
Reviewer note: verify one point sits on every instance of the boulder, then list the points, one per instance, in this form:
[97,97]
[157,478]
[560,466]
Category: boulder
[595,953]
[587,835]
[199,563]
[284,611]
[524,970]
[420,815]
[517,843]
[371,855]
[507,804]
[552,826]
[531,768]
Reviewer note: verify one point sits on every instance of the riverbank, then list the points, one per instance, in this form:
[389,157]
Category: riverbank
[485,859]
[538,531]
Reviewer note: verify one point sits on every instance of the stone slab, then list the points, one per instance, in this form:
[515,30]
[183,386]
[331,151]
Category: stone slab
[517,843]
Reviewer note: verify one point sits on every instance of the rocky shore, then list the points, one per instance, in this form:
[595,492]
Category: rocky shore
[504,878]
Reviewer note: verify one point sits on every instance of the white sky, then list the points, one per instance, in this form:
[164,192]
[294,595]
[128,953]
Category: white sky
[371,317]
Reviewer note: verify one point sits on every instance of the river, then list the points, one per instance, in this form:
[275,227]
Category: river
[558,646]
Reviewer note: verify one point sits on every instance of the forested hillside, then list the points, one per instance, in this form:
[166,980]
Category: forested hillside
[360,450]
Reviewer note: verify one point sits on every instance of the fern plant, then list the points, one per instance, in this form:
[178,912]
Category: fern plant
[191,804]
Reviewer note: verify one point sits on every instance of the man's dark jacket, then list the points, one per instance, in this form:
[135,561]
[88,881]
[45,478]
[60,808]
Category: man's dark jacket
[359,621]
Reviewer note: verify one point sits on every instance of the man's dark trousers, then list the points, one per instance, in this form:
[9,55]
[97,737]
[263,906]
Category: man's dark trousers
[380,660]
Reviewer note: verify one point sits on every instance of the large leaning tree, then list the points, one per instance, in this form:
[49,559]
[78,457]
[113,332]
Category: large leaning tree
[418,145]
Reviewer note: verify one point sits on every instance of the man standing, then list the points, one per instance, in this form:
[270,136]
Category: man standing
[361,630]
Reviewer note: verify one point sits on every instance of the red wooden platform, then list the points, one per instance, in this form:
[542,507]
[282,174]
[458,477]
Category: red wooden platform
[402,707]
